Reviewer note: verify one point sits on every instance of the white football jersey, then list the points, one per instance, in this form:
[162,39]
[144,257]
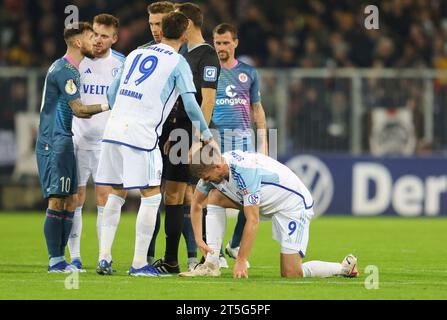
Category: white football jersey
[151,81]
[256,179]
[96,77]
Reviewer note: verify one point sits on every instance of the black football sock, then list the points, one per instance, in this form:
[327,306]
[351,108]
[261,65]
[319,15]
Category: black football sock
[188,233]
[173,230]
[204,212]
[151,250]
[238,230]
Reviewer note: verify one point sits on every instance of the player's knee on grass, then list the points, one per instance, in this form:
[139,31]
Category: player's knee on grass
[291,266]
[102,193]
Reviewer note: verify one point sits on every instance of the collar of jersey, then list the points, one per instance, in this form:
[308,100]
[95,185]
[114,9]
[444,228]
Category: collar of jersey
[71,61]
[198,45]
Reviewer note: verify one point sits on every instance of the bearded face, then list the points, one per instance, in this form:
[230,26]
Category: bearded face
[87,52]
[223,55]
[87,45]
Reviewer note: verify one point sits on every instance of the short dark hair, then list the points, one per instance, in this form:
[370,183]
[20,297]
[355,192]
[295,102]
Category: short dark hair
[173,25]
[107,20]
[75,29]
[192,12]
[226,27]
[160,7]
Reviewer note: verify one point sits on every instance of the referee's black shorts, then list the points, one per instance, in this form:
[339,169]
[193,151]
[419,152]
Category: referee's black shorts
[176,172]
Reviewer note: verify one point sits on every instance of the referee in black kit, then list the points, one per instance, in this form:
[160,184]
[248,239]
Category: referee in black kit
[205,66]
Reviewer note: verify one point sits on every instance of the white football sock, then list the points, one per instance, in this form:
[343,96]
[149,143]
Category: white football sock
[74,240]
[216,223]
[110,220]
[322,269]
[99,223]
[145,226]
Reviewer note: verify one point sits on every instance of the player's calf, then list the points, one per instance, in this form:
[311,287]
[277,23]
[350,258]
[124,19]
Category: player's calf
[291,266]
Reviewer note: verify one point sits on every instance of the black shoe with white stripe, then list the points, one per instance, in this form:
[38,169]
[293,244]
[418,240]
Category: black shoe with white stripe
[165,268]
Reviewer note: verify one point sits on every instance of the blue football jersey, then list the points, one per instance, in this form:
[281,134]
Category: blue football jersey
[238,89]
[62,84]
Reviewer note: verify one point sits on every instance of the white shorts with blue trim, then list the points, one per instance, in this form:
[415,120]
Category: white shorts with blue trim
[129,167]
[87,164]
[291,230]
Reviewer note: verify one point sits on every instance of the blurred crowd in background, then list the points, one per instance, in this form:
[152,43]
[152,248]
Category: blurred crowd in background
[286,33]
[281,34]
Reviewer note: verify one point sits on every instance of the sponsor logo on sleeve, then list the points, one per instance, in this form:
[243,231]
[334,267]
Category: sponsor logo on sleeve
[70,87]
[210,74]
[254,199]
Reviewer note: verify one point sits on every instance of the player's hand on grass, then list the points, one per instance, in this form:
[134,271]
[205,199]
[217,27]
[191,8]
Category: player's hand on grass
[240,269]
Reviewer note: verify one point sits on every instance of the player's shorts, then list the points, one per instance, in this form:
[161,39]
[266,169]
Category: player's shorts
[178,172]
[57,169]
[87,161]
[291,230]
[128,167]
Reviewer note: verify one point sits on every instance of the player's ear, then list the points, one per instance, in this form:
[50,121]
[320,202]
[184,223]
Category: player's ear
[236,43]
[190,24]
[183,37]
[114,38]
[77,42]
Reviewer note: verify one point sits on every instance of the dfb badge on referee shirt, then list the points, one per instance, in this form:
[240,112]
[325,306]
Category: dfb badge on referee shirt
[210,74]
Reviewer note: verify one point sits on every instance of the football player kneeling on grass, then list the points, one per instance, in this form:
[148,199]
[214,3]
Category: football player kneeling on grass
[260,186]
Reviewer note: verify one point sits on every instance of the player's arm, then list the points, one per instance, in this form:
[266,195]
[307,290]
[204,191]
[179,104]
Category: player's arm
[210,70]
[186,89]
[65,80]
[258,116]
[248,238]
[199,200]
[81,110]
[195,114]
[113,90]
[208,101]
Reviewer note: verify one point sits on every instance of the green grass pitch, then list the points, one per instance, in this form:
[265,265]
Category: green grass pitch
[410,254]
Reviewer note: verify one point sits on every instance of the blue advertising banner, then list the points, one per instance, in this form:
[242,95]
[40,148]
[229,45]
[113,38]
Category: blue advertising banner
[369,186]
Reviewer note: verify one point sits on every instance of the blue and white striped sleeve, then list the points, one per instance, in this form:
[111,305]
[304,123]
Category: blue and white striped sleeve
[204,187]
[184,80]
[113,90]
[248,181]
